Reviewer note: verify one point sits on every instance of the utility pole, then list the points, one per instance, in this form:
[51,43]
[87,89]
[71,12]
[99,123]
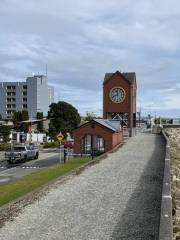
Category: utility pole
[46,72]
[140,112]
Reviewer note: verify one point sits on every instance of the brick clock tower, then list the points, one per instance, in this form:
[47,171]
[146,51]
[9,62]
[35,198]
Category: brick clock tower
[119,98]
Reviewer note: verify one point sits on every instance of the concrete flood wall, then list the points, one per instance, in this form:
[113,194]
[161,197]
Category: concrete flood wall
[166,228]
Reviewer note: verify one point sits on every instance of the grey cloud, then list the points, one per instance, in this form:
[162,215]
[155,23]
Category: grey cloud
[80,41]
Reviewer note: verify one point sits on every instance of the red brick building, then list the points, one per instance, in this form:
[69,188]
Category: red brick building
[98,135]
[119,113]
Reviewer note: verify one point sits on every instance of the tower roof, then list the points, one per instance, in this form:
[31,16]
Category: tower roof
[130,76]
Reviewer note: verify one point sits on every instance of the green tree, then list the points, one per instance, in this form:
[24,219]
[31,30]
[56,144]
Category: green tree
[52,131]
[17,116]
[5,132]
[25,115]
[90,116]
[25,126]
[64,118]
[17,120]
[40,124]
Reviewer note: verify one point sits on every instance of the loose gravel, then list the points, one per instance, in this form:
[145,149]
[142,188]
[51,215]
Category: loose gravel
[119,198]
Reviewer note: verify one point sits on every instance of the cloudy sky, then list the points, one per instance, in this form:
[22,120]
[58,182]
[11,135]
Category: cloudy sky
[81,40]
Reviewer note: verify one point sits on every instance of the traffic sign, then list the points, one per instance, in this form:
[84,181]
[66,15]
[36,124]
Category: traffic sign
[60,137]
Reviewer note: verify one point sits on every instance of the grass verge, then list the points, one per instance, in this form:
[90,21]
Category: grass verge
[14,190]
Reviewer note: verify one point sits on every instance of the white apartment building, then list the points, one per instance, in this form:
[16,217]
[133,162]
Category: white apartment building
[34,95]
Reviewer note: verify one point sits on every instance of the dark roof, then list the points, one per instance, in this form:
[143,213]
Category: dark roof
[114,125]
[107,76]
[130,76]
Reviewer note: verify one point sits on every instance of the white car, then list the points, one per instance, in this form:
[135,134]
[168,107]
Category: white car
[22,153]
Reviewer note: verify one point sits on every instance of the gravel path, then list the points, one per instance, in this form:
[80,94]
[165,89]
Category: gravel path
[119,198]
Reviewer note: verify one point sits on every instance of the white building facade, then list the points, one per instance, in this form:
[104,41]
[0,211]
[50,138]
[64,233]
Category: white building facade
[34,95]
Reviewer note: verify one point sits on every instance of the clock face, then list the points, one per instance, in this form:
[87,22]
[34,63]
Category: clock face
[117,94]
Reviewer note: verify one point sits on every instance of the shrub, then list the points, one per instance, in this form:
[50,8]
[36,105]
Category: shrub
[51,145]
[5,146]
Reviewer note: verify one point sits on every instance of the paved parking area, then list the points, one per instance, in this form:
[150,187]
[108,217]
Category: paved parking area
[119,198]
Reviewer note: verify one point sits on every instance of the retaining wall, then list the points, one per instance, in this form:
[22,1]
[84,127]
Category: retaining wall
[165,227]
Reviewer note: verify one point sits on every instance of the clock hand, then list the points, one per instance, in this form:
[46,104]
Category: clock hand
[114,94]
[117,94]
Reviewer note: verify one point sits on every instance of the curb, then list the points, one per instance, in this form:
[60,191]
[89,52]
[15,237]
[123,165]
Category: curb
[165,226]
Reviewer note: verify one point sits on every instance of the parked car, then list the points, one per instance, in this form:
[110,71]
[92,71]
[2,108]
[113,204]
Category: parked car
[69,144]
[22,153]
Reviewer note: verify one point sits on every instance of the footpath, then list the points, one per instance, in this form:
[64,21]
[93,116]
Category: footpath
[119,198]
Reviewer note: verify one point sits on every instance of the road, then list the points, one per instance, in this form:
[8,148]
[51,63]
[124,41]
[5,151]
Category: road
[11,172]
[117,199]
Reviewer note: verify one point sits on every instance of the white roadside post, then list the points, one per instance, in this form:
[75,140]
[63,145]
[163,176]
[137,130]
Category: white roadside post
[11,139]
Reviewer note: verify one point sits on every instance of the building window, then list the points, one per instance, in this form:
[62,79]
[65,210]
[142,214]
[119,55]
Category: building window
[24,105]
[24,99]
[24,93]
[93,143]
[11,99]
[11,87]
[24,86]
[11,93]
[10,105]
[9,112]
